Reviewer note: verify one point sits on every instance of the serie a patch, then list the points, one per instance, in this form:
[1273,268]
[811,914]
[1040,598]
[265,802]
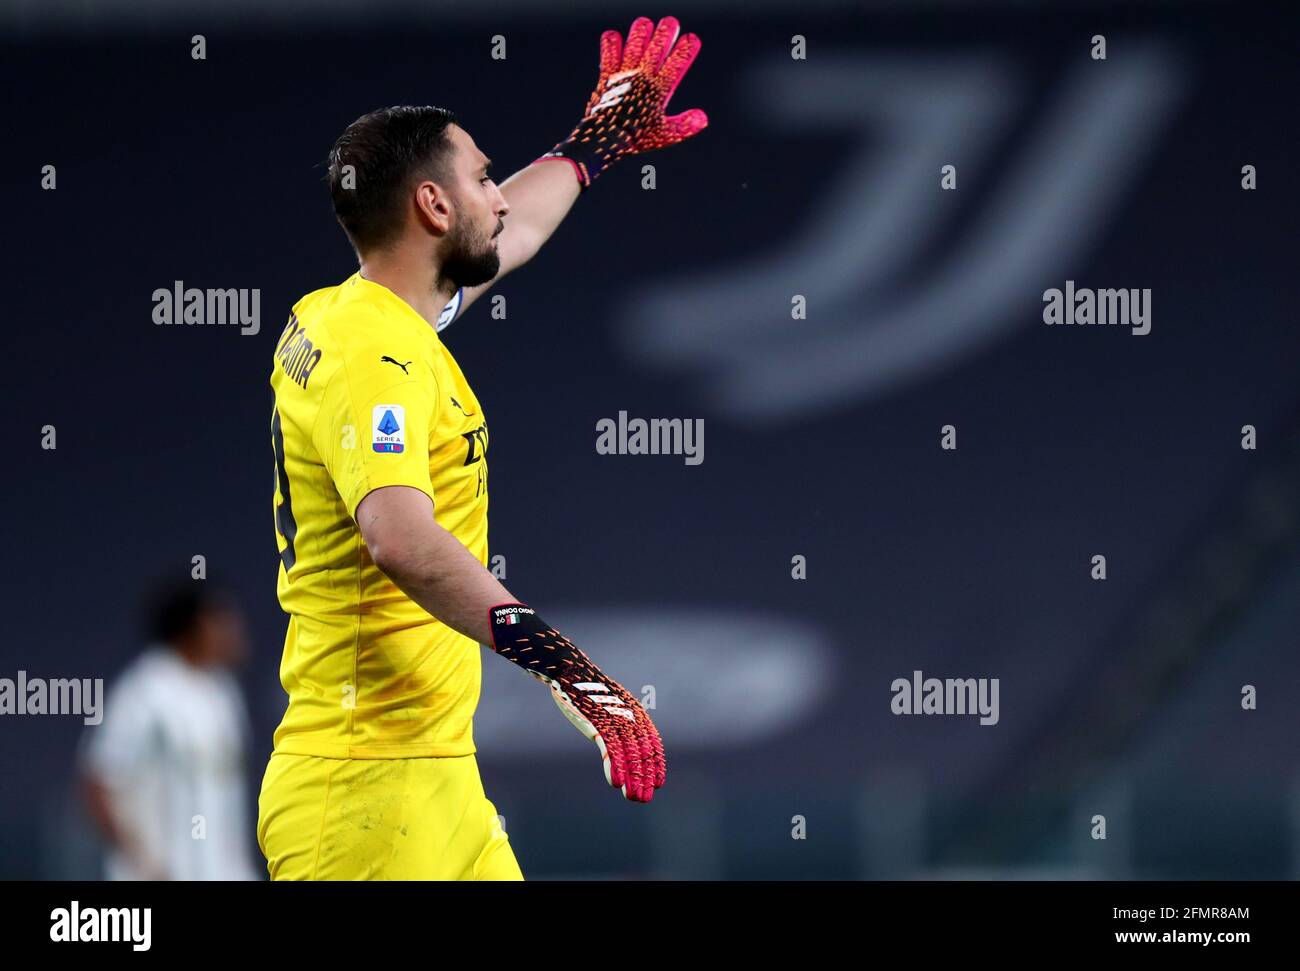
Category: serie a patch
[388,428]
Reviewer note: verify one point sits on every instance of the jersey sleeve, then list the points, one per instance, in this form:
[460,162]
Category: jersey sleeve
[451,311]
[375,417]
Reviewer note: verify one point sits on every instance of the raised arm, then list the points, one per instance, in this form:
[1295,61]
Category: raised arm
[625,115]
[540,196]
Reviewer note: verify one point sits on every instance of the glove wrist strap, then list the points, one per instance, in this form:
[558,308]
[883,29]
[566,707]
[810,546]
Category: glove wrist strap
[580,169]
[522,637]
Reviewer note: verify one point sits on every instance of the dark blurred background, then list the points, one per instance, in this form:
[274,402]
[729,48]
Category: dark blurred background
[818,177]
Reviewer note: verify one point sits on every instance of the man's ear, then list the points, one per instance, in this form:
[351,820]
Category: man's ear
[434,205]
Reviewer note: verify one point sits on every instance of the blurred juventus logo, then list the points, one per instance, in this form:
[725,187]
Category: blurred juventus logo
[902,279]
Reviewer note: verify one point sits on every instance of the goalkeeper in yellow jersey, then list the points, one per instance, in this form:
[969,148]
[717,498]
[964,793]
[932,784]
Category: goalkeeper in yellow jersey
[381,495]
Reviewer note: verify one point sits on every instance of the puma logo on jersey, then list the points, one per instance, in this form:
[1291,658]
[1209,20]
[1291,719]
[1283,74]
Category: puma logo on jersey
[461,407]
[388,360]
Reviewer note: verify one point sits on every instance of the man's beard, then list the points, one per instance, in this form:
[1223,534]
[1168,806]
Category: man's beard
[470,259]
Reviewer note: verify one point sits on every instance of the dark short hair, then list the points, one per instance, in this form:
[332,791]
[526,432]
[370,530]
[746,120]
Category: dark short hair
[175,607]
[388,150]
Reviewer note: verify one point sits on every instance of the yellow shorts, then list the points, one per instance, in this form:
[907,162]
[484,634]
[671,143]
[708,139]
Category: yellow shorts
[380,819]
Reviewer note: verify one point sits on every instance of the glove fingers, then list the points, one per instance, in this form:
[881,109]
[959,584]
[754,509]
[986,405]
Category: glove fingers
[678,63]
[635,787]
[661,43]
[638,35]
[688,123]
[659,761]
[649,769]
[611,52]
[615,760]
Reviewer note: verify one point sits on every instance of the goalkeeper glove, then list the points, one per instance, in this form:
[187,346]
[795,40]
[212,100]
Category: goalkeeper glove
[599,707]
[625,114]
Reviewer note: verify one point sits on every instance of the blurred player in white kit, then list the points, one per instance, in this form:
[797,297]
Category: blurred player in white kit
[164,773]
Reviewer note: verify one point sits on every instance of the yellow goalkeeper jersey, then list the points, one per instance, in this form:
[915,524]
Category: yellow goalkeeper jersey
[367,396]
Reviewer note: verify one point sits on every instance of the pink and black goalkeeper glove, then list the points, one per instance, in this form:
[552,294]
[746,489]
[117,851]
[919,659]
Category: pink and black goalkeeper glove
[600,708]
[625,114]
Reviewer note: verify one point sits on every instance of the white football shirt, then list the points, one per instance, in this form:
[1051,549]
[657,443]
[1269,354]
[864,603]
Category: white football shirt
[171,750]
